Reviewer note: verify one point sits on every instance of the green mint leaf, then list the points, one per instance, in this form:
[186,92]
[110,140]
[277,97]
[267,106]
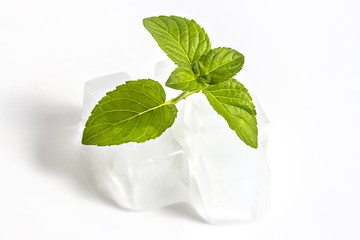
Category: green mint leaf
[183,40]
[220,64]
[231,100]
[134,112]
[183,78]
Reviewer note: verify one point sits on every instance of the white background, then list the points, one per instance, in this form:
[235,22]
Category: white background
[302,61]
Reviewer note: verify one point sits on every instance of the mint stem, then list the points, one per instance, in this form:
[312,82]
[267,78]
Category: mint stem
[182,96]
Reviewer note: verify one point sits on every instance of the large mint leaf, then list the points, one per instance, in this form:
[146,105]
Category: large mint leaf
[183,40]
[183,78]
[231,100]
[220,64]
[134,112]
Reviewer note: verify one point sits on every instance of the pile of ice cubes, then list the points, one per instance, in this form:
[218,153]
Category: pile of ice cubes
[199,160]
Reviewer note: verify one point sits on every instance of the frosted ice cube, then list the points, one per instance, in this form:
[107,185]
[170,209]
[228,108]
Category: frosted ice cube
[136,176]
[229,181]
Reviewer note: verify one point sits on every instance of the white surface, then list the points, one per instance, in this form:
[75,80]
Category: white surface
[302,61]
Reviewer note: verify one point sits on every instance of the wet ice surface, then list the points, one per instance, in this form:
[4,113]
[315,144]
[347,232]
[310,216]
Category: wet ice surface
[199,160]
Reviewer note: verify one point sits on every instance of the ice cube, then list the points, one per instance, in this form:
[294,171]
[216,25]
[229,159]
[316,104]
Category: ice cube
[136,176]
[229,181]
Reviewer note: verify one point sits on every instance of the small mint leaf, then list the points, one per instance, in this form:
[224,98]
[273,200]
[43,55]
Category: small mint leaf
[196,68]
[231,100]
[134,112]
[183,78]
[183,40]
[203,81]
[220,64]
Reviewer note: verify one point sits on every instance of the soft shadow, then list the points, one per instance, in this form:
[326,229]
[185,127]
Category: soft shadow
[55,130]
[182,211]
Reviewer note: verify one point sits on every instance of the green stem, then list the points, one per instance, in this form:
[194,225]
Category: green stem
[182,96]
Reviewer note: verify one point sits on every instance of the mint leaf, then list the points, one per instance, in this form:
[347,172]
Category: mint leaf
[183,78]
[134,112]
[220,64]
[183,40]
[231,100]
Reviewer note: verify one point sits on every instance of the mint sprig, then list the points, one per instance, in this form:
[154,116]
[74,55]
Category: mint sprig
[137,111]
